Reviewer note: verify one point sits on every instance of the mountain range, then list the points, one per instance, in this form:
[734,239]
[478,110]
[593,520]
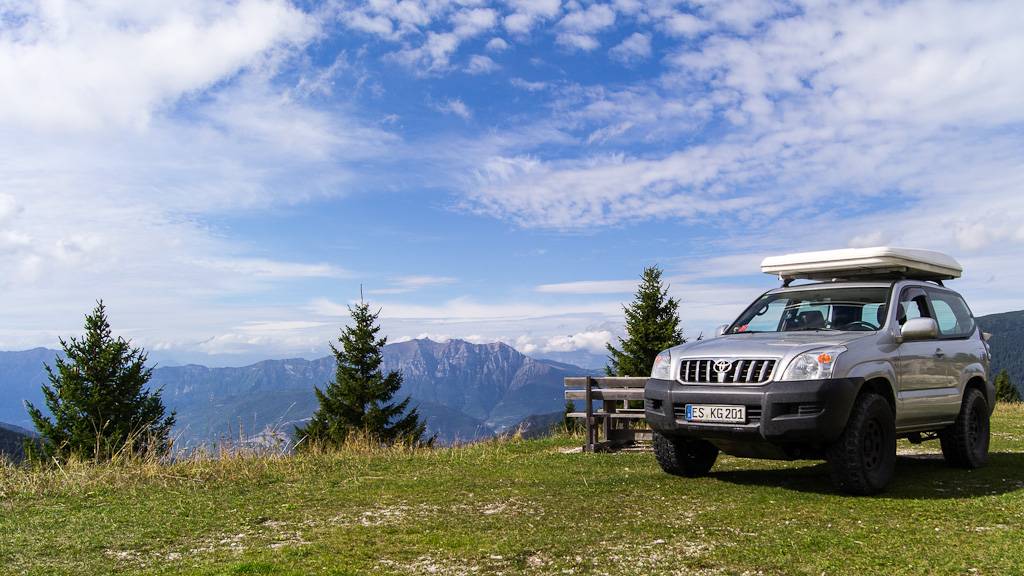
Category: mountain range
[464,391]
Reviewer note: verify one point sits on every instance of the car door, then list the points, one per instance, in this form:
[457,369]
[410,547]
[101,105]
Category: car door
[957,342]
[925,381]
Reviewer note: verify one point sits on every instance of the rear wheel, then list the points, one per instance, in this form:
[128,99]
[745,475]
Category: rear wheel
[689,457]
[864,457]
[965,443]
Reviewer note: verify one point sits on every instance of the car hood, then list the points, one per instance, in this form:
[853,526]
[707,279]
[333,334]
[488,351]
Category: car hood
[764,345]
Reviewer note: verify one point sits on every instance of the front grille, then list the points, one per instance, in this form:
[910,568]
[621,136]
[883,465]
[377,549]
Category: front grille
[744,371]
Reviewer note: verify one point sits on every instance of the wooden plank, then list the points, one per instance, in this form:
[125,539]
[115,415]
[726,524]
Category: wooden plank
[605,394]
[609,407]
[606,382]
[615,415]
[589,403]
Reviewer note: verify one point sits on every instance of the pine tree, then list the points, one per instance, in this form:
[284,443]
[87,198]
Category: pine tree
[1005,390]
[98,400]
[359,398]
[652,325]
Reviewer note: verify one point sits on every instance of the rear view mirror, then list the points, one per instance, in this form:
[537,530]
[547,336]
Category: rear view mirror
[919,329]
[987,336]
[720,331]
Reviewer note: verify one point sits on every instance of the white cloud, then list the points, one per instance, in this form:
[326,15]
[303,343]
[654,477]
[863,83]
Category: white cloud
[457,107]
[526,13]
[590,341]
[112,195]
[465,308]
[78,65]
[473,22]
[528,85]
[590,287]
[577,28]
[435,53]
[578,41]
[683,24]
[833,109]
[497,45]
[406,284]
[592,18]
[479,64]
[633,49]
[260,267]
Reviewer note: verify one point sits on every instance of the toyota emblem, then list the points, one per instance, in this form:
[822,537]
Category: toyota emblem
[722,366]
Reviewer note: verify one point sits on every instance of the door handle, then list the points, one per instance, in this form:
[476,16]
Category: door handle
[939,353]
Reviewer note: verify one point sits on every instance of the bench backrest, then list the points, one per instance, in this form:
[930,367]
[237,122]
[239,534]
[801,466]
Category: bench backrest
[605,388]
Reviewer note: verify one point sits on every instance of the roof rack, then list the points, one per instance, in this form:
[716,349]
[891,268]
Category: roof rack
[878,263]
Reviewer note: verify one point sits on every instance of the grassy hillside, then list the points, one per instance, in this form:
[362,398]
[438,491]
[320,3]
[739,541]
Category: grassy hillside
[513,507]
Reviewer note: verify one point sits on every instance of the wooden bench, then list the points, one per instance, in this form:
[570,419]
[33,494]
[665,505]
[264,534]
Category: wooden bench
[614,419]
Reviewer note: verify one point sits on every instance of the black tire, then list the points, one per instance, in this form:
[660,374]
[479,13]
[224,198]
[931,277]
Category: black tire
[862,460]
[965,442]
[690,457]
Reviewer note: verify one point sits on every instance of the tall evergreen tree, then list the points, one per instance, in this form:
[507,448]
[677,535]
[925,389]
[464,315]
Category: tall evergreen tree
[1005,390]
[360,397]
[98,400]
[652,325]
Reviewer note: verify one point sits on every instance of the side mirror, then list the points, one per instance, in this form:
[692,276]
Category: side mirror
[919,329]
[720,331]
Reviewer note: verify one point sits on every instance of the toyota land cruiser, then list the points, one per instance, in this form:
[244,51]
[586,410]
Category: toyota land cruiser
[837,369]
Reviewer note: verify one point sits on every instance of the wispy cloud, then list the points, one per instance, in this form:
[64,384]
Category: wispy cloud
[457,107]
[479,64]
[407,284]
[635,48]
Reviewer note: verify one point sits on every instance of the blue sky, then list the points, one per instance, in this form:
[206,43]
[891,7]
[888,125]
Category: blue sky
[227,175]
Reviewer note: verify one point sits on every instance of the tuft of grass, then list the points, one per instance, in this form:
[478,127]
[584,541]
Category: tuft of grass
[509,506]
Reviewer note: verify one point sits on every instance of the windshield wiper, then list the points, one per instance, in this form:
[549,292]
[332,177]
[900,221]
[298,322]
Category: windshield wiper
[822,329]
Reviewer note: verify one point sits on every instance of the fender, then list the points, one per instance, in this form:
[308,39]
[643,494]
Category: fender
[876,369]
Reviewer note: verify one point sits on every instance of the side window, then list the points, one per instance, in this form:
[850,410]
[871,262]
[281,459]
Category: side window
[913,304]
[952,314]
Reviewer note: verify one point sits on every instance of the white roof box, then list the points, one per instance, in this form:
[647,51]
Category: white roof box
[864,263]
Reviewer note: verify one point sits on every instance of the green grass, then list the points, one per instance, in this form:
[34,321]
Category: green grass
[513,507]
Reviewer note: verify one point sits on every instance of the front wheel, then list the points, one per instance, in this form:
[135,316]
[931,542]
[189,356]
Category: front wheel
[864,457]
[965,442]
[689,457]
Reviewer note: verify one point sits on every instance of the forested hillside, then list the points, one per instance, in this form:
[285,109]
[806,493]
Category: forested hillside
[1007,344]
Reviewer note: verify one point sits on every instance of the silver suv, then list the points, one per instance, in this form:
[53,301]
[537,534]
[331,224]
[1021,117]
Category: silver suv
[836,370]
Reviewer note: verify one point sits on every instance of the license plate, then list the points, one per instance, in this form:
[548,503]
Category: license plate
[716,413]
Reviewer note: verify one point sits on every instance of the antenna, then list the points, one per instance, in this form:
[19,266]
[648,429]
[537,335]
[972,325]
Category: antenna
[360,292]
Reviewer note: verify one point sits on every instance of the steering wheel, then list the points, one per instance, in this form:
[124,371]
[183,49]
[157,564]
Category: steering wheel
[867,325]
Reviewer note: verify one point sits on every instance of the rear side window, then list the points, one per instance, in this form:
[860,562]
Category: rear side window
[952,314]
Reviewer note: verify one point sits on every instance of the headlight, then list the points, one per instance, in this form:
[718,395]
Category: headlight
[662,366]
[813,365]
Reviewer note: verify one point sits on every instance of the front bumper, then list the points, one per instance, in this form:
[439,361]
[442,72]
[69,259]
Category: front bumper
[795,412]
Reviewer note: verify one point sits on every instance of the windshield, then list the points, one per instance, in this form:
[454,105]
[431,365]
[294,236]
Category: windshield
[846,309]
